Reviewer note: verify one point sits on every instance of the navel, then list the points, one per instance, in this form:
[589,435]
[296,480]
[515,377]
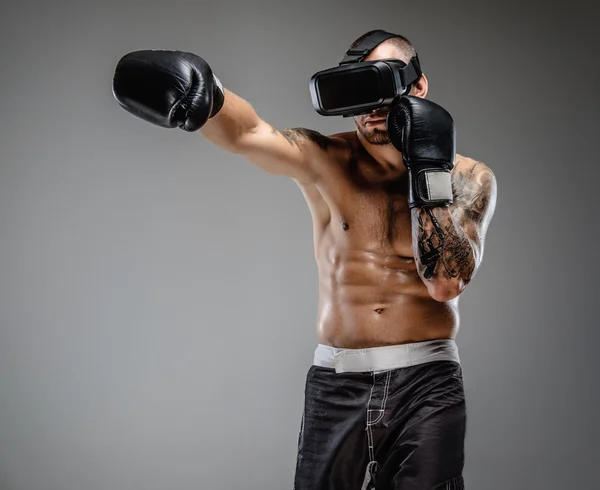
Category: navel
[379,311]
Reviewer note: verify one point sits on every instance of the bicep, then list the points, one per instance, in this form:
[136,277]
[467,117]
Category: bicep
[474,200]
[293,152]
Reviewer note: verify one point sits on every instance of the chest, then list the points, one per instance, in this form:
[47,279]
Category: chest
[380,215]
[375,218]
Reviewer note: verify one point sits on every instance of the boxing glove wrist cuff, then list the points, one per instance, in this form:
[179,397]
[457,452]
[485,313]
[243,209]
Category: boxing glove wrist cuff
[218,97]
[429,187]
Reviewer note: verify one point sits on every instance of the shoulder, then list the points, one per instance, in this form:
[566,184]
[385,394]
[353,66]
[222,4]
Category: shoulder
[319,140]
[327,154]
[348,142]
[474,172]
[337,147]
[474,188]
[471,165]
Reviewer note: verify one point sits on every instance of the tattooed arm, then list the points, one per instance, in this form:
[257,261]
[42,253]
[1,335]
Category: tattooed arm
[448,242]
[293,153]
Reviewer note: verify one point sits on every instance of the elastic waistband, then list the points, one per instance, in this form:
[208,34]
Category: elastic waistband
[385,358]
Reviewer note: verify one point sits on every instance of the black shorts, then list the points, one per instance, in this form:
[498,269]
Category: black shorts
[395,429]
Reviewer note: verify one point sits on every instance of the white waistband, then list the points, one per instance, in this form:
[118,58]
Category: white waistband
[385,358]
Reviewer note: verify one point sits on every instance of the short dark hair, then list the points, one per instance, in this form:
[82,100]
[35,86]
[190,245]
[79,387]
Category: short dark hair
[405,48]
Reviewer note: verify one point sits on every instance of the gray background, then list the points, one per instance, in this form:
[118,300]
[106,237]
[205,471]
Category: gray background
[158,296]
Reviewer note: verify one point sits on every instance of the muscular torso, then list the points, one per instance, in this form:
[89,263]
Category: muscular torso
[370,293]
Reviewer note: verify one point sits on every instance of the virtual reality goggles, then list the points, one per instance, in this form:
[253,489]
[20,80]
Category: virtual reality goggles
[358,87]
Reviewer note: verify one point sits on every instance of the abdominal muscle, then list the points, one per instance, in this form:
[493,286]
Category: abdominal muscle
[370,293]
[371,299]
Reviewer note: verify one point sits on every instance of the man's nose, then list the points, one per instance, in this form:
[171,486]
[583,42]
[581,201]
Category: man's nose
[380,112]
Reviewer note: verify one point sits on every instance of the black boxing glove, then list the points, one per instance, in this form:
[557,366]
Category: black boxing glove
[425,134]
[168,88]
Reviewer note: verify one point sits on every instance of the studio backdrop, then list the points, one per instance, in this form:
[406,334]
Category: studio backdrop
[158,295]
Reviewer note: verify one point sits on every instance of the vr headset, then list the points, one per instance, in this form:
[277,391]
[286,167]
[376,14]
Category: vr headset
[358,87]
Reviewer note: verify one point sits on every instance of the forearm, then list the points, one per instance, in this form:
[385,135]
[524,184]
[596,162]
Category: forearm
[236,119]
[446,257]
[451,201]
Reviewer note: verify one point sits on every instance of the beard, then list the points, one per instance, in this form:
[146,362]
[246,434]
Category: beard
[374,136]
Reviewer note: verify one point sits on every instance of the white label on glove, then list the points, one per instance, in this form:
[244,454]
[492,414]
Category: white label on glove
[439,186]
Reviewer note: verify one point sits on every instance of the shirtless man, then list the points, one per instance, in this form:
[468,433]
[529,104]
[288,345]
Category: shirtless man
[384,400]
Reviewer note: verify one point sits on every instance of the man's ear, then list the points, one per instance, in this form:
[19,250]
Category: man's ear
[420,87]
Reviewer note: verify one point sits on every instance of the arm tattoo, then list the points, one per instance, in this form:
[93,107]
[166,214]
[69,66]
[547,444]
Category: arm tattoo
[448,239]
[442,249]
[296,136]
[472,193]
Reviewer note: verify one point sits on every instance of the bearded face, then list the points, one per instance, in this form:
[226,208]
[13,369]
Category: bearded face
[373,126]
